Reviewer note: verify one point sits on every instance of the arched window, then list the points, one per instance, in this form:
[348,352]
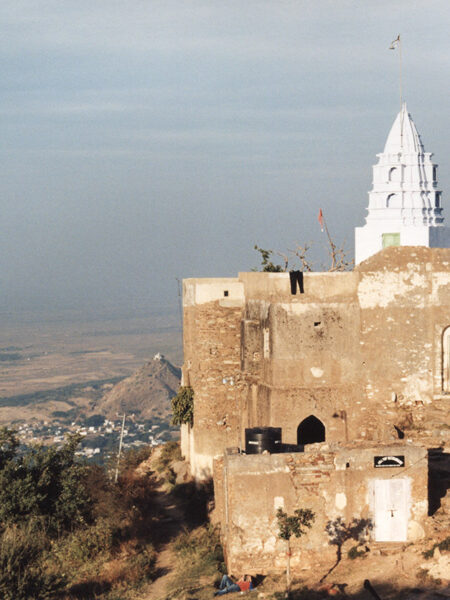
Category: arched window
[446,360]
[394,174]
[393,201]
[310,431]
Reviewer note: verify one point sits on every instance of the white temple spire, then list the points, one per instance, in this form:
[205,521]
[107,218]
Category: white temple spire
[403,135]
[404,204]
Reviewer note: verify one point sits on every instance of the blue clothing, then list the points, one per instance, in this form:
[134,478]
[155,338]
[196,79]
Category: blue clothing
[226,586]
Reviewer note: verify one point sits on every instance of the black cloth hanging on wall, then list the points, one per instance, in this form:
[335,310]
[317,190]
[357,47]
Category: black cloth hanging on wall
[296,277]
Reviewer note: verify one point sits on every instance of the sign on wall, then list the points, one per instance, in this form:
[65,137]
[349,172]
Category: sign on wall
[388,461]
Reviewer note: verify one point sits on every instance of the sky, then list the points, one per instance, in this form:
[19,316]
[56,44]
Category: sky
[148,141]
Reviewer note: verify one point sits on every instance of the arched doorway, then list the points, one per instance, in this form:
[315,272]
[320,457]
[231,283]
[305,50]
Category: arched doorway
[310,431]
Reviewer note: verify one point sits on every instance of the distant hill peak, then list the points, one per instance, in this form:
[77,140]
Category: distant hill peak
[147,391]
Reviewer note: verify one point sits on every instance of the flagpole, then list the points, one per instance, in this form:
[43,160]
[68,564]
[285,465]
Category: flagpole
[393,46]
[401,91]
[400,70]
[328,233]
[323,225]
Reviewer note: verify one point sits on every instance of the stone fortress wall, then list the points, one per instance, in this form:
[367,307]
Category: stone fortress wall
[361,353]
[352,350]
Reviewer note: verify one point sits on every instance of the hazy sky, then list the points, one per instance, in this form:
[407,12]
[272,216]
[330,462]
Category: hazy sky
[148,140]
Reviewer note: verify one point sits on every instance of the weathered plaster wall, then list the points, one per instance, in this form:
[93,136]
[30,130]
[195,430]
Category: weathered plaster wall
[333,482]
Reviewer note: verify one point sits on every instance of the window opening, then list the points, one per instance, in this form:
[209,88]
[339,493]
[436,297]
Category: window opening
[393,201]
[310,431]
[225,293]
[391,239]
[394,174]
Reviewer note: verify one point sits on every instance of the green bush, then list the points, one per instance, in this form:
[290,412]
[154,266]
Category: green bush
[266,264]
[60,516]
[183,406]
[43,482]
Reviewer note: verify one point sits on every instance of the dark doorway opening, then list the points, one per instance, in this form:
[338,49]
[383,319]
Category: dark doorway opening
[438,478]
[310,431]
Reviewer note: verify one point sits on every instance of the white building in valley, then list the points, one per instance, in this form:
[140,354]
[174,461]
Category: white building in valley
[405,203]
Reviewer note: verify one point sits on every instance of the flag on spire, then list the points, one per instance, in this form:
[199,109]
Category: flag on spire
[321,219]
[395,43]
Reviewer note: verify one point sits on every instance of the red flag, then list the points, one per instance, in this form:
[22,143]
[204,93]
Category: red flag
[321,219]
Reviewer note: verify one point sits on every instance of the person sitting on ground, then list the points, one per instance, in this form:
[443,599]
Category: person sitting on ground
[227,585]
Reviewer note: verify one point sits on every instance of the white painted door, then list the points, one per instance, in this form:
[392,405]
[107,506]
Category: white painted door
[391,510]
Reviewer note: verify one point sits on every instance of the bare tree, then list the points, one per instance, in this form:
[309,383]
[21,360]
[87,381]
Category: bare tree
[300,252]
[338,258]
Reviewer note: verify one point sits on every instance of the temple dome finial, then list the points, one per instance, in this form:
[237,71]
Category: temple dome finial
[403,136]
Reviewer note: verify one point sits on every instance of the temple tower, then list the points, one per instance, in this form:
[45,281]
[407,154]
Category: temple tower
[405,203]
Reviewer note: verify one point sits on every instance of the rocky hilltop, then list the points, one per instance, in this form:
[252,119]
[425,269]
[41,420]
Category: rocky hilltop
[147,392]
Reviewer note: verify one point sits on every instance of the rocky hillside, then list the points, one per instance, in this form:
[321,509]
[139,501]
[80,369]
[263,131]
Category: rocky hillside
[146,393]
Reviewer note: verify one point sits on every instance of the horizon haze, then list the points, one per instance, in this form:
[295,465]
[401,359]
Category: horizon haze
[145,142]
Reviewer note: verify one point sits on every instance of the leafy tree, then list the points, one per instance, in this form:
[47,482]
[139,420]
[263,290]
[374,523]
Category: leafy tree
[183,406]
[267,265]
[8,445]
[42,494]
[42,482]
[57,513]
[296,525]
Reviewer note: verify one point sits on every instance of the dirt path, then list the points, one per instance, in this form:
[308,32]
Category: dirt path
[171,522]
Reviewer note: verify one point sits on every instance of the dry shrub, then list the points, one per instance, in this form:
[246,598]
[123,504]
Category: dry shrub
[88,543]
[199,555]
[134,566]
[170,453]
[23,573]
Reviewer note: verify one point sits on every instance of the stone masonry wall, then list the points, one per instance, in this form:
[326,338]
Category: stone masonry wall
[333,482]
[212,330]
[356,350]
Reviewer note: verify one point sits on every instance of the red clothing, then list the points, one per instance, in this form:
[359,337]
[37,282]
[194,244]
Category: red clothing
[245,585]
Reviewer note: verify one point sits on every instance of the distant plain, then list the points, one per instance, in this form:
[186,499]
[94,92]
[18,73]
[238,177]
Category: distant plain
[48,360]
